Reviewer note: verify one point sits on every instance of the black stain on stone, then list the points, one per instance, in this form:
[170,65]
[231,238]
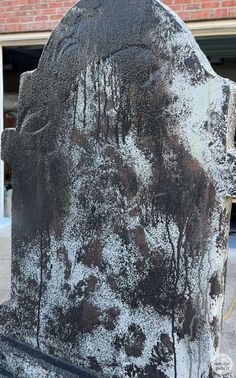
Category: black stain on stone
[67,324]
[140,241]
[189,323]
[110,317]
[135,64]
[215,327]
[94,364]
[62,255]
[156,289]
[124,177]
[216,286]
[150,371]
[166,340]
[161,354]
[2,360]
[195,68]
[85,318]
[83,289]
[132,343]
[93,254]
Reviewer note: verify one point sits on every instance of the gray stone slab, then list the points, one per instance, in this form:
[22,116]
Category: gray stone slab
[120,231]
[29,362]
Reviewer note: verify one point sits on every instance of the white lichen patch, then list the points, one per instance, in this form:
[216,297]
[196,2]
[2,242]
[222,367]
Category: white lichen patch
[136,158]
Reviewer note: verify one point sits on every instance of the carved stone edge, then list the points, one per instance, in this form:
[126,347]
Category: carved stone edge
[66,368]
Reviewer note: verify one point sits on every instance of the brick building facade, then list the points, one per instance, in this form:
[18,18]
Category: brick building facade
[42,15]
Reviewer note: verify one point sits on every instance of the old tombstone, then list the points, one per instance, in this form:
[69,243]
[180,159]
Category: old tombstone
[123,165]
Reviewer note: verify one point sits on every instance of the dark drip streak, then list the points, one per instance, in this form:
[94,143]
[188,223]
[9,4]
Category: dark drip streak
[40,289]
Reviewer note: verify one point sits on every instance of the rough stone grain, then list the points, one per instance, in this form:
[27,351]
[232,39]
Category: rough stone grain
[123,168]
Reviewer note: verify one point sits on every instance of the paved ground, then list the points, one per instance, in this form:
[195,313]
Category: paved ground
[5,265]
[228,341]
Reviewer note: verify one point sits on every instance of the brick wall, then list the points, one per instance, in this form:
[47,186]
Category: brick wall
[31,15]
[192,10]
[42,15]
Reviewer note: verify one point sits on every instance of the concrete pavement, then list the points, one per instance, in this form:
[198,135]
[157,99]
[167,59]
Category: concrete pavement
[228,339]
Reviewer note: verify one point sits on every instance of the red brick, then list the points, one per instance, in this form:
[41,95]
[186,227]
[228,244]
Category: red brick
[55,17]
[227,3]
[30,15]
[191,6]
[232,12]
[24,7]
[40,6]
[40,18]
[26,19]
[169,2]
[203,1]
[54,5]
[185,15]
[49,11]
[182,1]
[12,20]
[224,13]
[6,3]
[211,5]
[177,7]
[199,15]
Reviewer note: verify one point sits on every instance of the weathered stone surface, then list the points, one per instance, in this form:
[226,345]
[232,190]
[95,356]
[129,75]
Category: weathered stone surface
[25,361]
[123,168]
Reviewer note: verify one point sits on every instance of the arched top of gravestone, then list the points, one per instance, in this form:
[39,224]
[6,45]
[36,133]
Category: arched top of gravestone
[142,36]
[95,30]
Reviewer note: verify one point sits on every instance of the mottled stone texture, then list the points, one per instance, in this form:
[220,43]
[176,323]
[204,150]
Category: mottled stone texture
[123,168]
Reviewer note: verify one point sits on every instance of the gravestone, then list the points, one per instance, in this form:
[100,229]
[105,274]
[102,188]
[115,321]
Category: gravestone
[123,168]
